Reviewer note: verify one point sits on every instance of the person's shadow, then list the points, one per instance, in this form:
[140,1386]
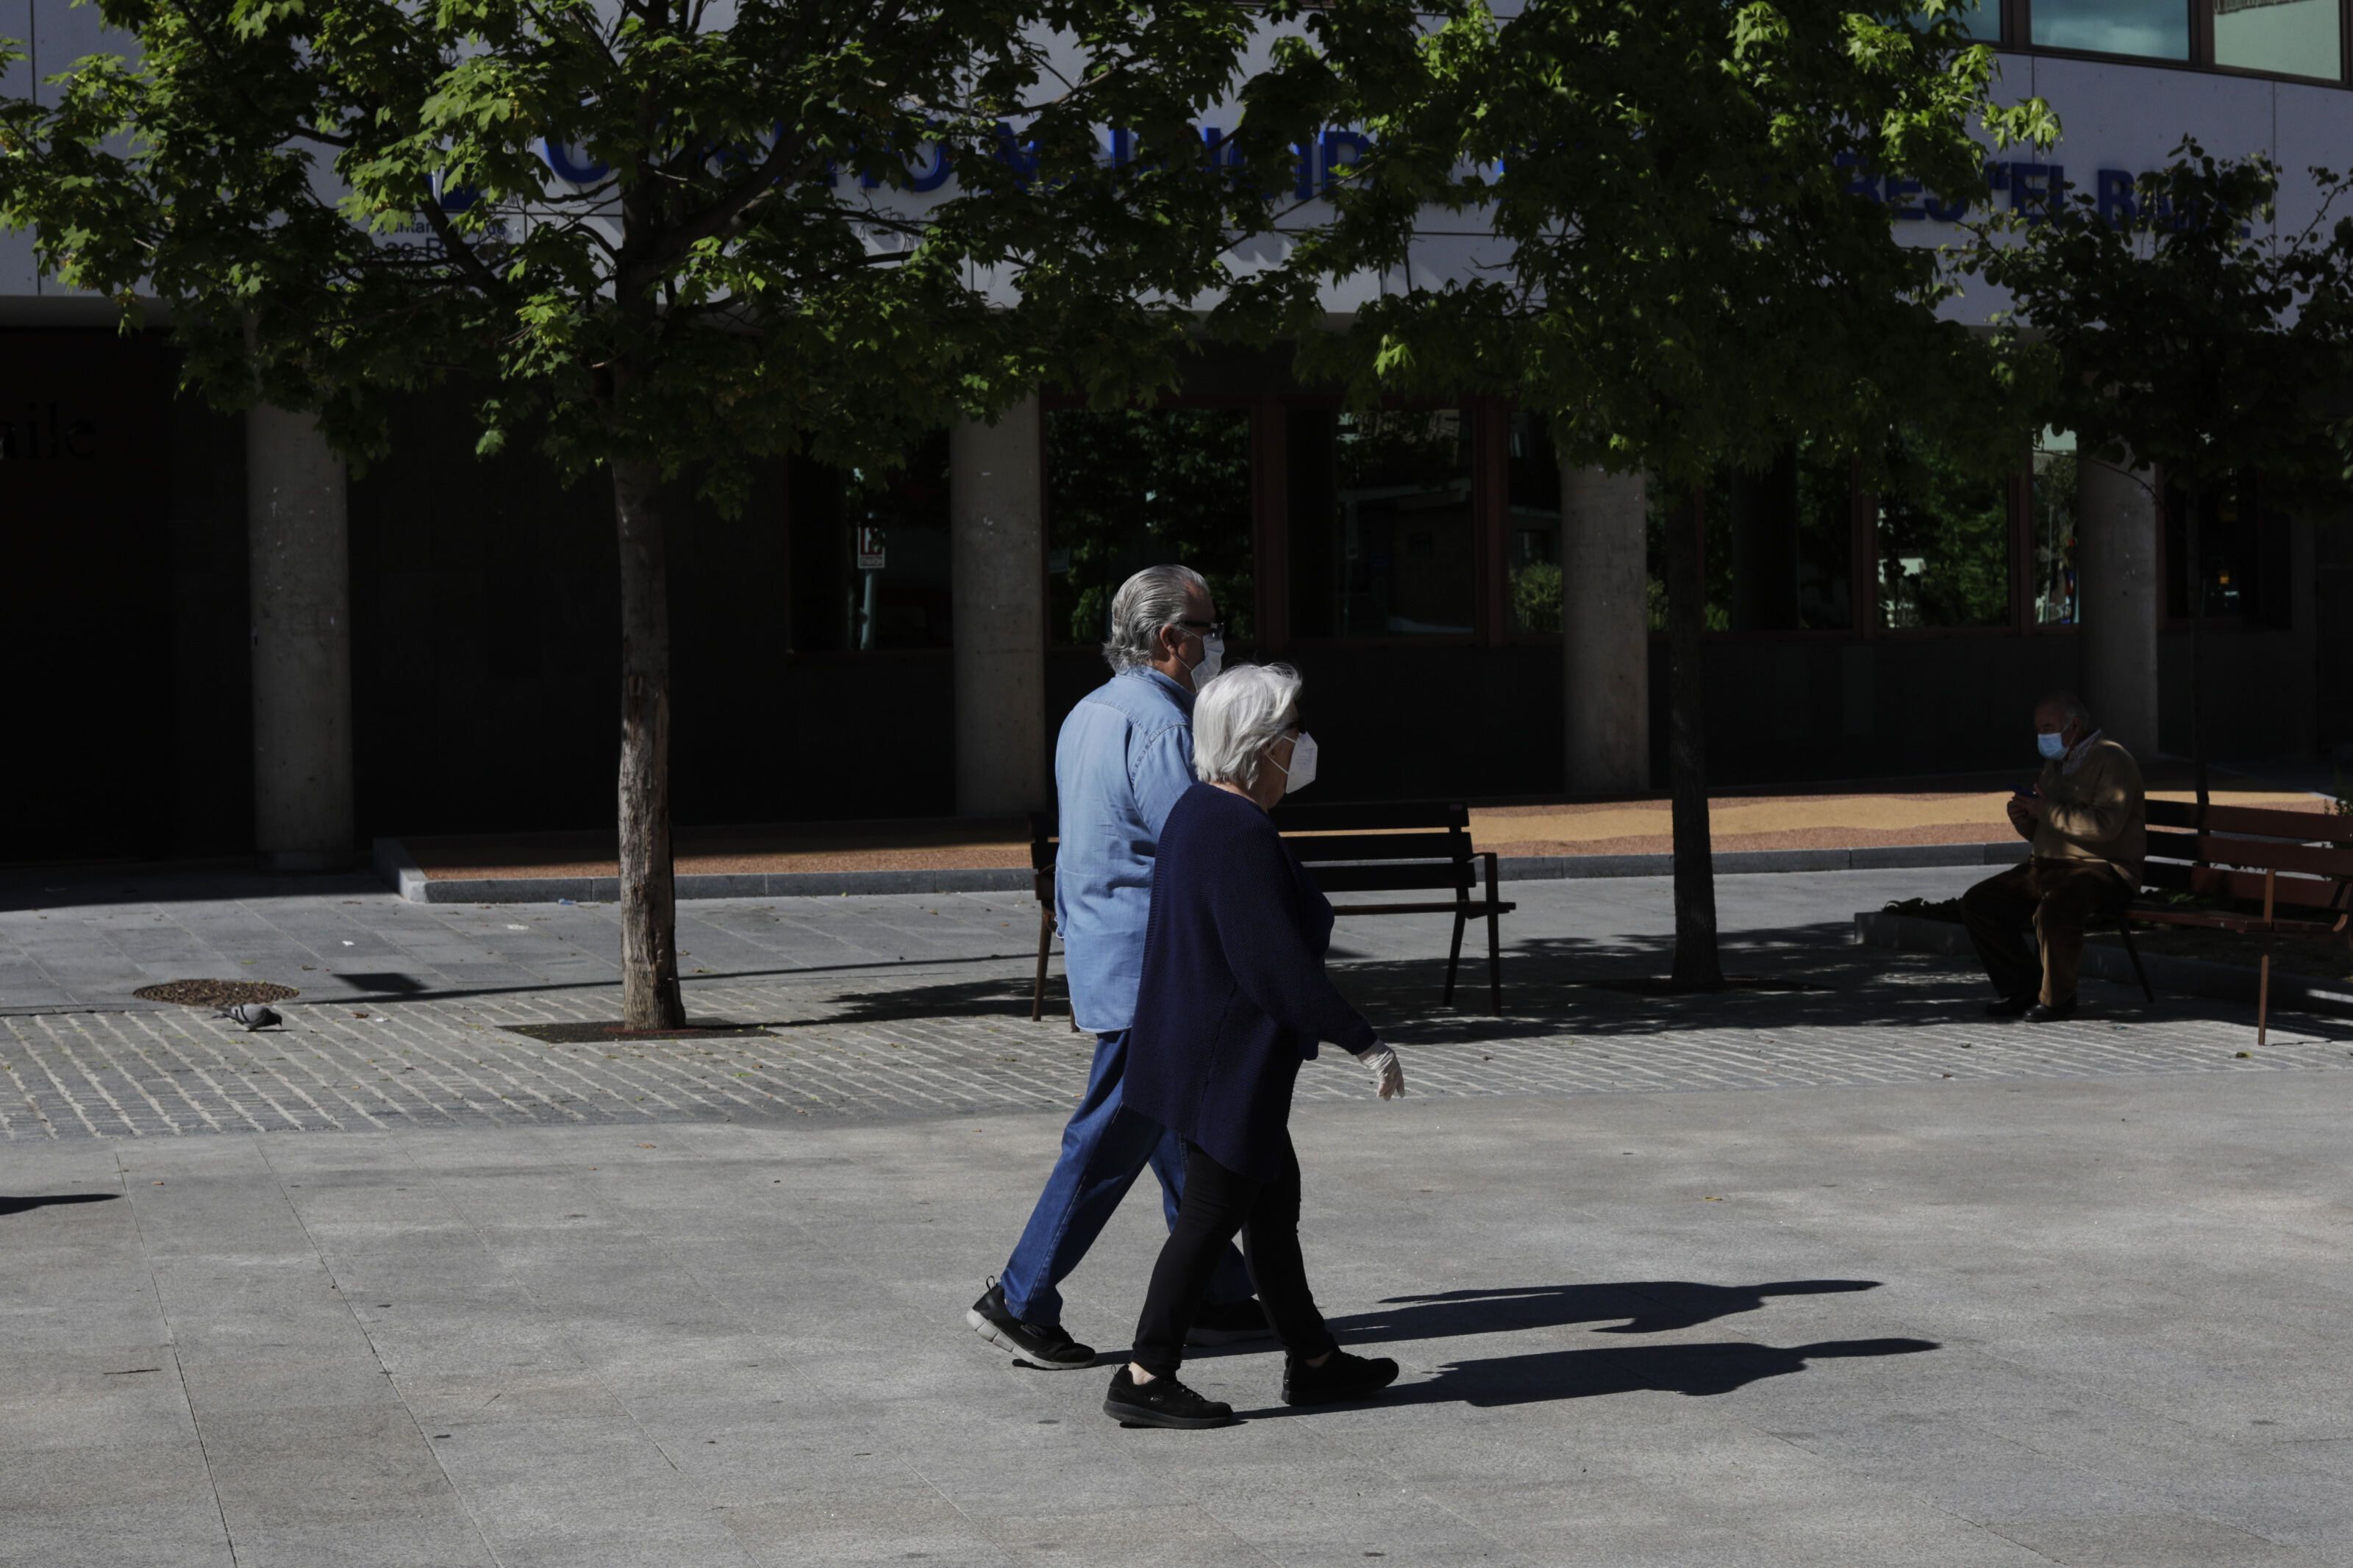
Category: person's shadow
[1697,1371]
[1652,1307]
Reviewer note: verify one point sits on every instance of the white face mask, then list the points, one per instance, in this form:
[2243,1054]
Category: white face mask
[1213,659]
[1301,771]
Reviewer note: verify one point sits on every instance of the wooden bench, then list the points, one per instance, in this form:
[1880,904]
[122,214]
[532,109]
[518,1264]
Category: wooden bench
[1407,847]
[2281,872]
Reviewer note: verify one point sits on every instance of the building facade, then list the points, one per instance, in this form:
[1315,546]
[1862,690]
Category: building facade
[224,642]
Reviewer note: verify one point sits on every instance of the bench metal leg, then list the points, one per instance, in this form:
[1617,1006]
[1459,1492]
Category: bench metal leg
[1494,946]
[1045,939]
[2124,929]
[1455,956]
[2264,995]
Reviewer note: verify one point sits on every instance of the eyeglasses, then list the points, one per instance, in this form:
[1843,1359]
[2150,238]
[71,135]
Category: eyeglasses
[1206,628]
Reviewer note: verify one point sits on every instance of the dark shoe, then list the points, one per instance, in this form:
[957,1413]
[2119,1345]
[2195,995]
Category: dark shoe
[1344,1376]
[1163,1402]
[2043,1012]
[2009,1007]
[1040,1344]
[1228,1322]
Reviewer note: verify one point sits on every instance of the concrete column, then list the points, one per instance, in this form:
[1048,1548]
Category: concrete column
[1605,631]
[997,520]
[2116,538]
[298,555]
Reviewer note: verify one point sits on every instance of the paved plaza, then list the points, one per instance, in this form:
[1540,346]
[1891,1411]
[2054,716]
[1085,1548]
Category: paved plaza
[1832,1274]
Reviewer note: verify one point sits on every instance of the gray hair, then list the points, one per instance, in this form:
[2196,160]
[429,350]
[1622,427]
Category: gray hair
[1152,598]
[1239,714]
[2068,703]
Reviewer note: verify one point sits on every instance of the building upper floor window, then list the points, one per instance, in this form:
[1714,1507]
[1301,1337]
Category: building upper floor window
[2289,38]
[2152,29]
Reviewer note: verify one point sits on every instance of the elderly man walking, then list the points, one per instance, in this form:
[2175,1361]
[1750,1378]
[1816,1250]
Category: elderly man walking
[1123,760]
[2087,819]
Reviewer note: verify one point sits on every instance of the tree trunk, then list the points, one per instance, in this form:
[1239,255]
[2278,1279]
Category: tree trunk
[2195,503]
[1696,965]
[649,994]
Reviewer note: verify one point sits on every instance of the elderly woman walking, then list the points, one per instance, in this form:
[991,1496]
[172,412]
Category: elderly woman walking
[1234,997]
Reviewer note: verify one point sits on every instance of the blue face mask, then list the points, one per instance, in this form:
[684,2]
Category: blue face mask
[2052,746]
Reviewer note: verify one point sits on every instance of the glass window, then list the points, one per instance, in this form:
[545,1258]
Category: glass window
[2058,597]
[1715,550]
[1944,544]
[870,553]
[1381,535]
[1532,526]
[2153,29]
[1139,487]
[1978,19]
[2293,37]
[1779,547]
[2243,546]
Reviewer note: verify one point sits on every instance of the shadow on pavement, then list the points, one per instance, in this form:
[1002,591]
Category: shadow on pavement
[9,1206]
[1654,1306]
[1699,1371]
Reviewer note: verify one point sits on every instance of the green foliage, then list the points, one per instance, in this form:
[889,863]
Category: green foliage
[2196,332]
[1688,283]
[1535,598]
[1136,486]
[731,288]
[1944,540]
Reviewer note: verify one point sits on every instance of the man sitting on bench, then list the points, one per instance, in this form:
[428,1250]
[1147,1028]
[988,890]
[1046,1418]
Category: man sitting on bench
[2088,821]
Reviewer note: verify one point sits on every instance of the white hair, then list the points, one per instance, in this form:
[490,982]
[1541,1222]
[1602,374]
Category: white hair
[1239,714]
[2068,704]
[1152,598]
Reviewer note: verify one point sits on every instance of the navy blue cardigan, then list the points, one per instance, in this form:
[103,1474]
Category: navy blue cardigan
[1234,994]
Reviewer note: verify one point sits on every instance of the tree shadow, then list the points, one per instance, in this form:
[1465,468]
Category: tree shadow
[1699,1372]
[1652,1307]
[9,1206]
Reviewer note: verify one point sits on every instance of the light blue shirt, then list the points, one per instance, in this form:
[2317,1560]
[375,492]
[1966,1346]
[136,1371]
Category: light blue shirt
[1124,756]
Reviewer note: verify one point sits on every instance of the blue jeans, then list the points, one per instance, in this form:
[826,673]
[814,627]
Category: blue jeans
[1105,1149]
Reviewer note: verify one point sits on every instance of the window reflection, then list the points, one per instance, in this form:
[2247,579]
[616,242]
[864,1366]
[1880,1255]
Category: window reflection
[2058,595]
[2153,29]
[1138,487]
[2242,545]
[1944,544]
[1978,19]
[1532,532]
[1380,522]
[870,553]
[2292,38]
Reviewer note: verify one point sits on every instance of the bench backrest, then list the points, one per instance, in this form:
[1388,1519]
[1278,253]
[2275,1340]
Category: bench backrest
[1381,847]
[2225,852]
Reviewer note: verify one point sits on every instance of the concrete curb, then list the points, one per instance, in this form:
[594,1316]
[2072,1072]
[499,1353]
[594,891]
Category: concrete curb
[400,871]
[2104,957]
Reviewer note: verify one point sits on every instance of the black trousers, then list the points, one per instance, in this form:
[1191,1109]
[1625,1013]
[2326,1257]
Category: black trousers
[1217,1203]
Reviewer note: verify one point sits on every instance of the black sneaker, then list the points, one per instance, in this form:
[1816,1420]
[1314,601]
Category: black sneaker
[2009,1006]
[1344,1376]
[1040,1344]
[1228,1322]
[2050,1013]
[1163,1402]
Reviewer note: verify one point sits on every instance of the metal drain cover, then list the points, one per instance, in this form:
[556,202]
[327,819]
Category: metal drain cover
[214,993]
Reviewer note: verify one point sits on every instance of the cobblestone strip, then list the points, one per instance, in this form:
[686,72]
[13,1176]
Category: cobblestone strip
[961,1043]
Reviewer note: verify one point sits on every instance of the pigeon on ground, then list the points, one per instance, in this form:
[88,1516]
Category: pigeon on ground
[252,1015]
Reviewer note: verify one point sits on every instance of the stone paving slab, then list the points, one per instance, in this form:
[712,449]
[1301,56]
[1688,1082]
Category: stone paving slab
[2021,1321]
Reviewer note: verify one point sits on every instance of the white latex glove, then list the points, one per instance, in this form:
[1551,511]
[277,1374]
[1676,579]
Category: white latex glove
[1388,1076]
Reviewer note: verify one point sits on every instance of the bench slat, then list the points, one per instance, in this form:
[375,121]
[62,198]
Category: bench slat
[1372,817]
[2262,854]
[1314,848]
[2264,822]
[2303,892]
[1386,878]
[2215,920]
